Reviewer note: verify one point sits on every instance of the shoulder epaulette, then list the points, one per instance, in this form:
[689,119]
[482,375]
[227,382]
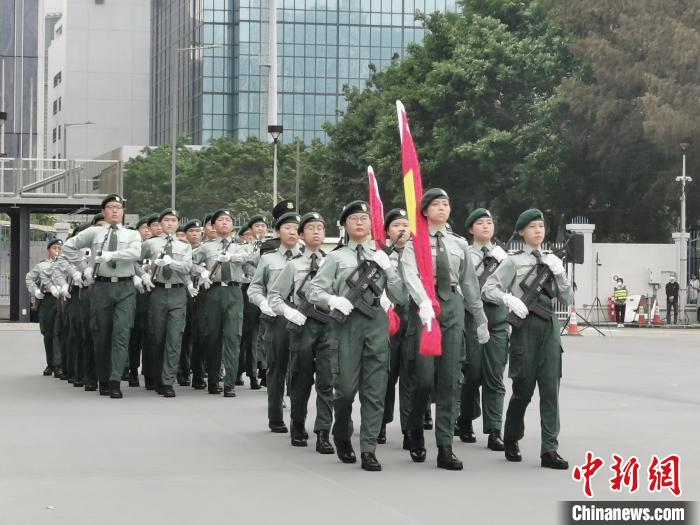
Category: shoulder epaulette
[450,232]
[298,256]
[515,252]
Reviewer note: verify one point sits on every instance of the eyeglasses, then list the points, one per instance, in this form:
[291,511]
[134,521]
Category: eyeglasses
[114,207]
[358,219]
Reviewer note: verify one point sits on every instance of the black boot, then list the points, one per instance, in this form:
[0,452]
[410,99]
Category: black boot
[90,387]
[214,388]
[263,377]
[133,378]
[57,372]
[344,450]
[115,392]
[447,460]
[198,382]
[298,434]
[104,388]
[254,385]
[466,432]
[370,462]
[48,371]
[512,451]
[381,438]
[323,445]
[428,420]
[168,391]
[183,379]
[78,383]
[277,427]
[239,380]
[554,460]
[416,444]
[229,391]
[495,441]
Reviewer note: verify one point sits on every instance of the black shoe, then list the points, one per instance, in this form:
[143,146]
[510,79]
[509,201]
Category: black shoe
[406,442]
[183,379]
[104,388]
[495,442]
[512,451]
[48,371]
[239,380]
[78,383]
[71,380]
[298,434]
[554,460]
[125,375]
[370,462]
[428,420]
[381,438]
[466,432]
[277,427]
[254,385]
[149,384]
[198,383]
[133,378]
[214,389]
[168,391]
[57,373]
[343,448]
[114,391]
[263,377]
[447,460]
[323,445]
[90,387]
[416,445]
[229,391]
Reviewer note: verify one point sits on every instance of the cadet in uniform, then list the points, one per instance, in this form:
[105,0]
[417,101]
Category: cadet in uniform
[190,337]
[485,364]
[361,362]
[248,361]
[535,347]
[113,302]
[457,288]
[310,345]
[154,225]
[276,334]
[139,336]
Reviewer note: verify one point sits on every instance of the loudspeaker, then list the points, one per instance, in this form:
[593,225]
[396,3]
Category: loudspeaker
[574,250]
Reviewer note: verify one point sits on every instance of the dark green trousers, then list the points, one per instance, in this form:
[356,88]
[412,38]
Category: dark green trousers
[249,338]
[260,345]
[112,310]
[310,356]
[399,371]
[277,345]
[188,336]
[139,334]
[74,335]
[535,360]
[361,365]
[89,370]
[222,322]
[47,321]
[167,308]
[61,335]
[439,377]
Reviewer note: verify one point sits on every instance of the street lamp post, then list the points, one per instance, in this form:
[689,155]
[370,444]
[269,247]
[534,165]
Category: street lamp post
[65,134]
[275,131]
[683,256]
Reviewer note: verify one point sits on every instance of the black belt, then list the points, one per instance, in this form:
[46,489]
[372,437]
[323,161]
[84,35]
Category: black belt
[230,283]
[74,288]
[102,279]
[168,285]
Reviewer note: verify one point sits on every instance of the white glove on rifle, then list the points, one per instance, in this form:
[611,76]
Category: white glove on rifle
[147,282]
[38,294]
[554,263]
[192,290]
[341,304]
[385,301]
[105,257]
[498,253]
[88,277]
[204,279]
[138,284]
[382,260]
[64,291]
[163,261]
[77,279]
[294,316]
[482,333]
[426,314]
[55,291]
[265,308]
[515,305]
[223,257]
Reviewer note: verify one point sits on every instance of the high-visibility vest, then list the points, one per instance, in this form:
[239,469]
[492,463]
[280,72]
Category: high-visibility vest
[620,294]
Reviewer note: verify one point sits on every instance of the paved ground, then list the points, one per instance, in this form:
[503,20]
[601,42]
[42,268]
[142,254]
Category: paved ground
[72,457]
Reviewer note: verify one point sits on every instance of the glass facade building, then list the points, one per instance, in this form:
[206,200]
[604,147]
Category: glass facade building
[322,45]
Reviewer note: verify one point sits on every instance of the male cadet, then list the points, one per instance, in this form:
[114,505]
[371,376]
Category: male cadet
[310,339]
[190,337]
[171,262]
[361,362]
[113,301]
[485,364]
[223,307]
[180,234]
[276,334]
[535,346]
[39,284]
[248,361]
[457,288]
[398,232]
[154,225]
[209,231]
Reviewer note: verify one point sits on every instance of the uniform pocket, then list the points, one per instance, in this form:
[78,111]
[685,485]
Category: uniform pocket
[517,361]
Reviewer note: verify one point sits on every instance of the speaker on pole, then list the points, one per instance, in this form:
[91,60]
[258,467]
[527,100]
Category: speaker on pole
[574,250]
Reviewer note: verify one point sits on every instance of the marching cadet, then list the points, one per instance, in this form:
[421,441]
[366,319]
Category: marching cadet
[180,234]
[276,335]
[485,364]
[209,231]
[191,346]
[113,301]
[39,283]
[171,262]
[361,361]
[154,225]
[535,346]
[457,288]
[248,361]
[310,339]
[139,336]
[398,231]
[223,306]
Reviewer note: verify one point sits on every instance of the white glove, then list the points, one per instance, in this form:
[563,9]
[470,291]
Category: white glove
[482,333]
[138,284]
[204,276]
[265,308]
[77,279]
[515,305]
[294,316]
[426,314]
[340,303]
[192,290]
[385,302]
[147,282]
[64,291]
[382,260]
[554,263]
[55,291]
[87,276]
[498,253]
[223,257]
[163,261]
[105,257]
[38,294]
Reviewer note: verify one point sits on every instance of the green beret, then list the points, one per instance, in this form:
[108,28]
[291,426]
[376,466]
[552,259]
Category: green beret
[282,207]
[255,219]
[112,197]
[312,216]
[97,218]
[526,217]
[430,195]
[54,241]
[79,228]
[180,228]
[166,212]
[152,218]
[244,228]
[392,215]
[193,224]
[207,218]
[291,216]
[353,207]
[475,216]
[219,213]
[142,221]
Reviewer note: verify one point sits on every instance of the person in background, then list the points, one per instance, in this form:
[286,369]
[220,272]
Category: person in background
[620,293]
[672,291]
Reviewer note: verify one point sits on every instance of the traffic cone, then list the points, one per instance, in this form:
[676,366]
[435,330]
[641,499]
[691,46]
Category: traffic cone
[572,329]
[642,319]
[657,314]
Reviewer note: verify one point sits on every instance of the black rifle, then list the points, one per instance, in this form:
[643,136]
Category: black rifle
[304,307]
[363,278]
[96,266]
[154,266]
[490,264]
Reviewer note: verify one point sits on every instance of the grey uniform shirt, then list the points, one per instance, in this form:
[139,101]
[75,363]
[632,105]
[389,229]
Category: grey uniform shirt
[206,253]
[97,238]
[511,272]
[339,265]
[462,273]
[289,281]
[40,277]
[270,266]
[181,256]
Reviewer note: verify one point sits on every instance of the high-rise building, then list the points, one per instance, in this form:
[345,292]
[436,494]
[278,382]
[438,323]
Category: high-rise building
[222,85]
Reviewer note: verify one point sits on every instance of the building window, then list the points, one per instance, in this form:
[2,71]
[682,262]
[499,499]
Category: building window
[57,79]
[59,30]
[59,132]
[59,103]
[55,106]
[54,135]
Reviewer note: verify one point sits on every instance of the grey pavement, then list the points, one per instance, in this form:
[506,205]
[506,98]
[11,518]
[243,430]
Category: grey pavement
[72,457]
